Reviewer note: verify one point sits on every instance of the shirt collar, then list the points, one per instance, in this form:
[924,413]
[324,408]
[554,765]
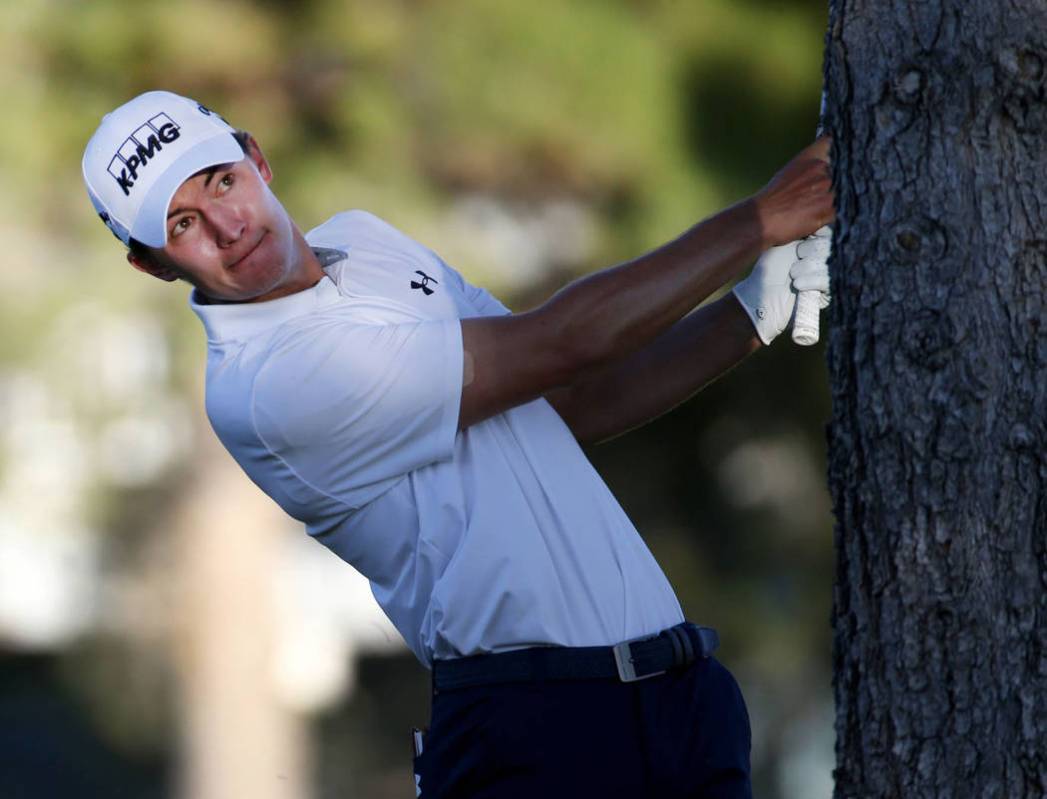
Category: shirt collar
[238,321]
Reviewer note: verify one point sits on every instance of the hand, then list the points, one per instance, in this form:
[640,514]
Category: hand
[811,271]
[767,294]
[810,276]
[799,199]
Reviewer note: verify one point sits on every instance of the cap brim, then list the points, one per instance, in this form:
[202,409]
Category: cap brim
[150,225]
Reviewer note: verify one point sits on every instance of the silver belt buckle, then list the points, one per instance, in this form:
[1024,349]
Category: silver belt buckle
[623,658]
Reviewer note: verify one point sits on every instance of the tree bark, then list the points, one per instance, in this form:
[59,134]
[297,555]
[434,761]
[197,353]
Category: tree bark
[939,384]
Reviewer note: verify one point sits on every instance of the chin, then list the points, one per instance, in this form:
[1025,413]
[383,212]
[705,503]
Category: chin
[261,293]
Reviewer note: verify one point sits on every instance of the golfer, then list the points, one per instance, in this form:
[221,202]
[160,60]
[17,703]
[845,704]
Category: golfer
[430,437]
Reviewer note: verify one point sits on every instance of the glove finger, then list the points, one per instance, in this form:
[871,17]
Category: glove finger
[812,283]
[824,298]
[810,274]
[815,247]
[808,266]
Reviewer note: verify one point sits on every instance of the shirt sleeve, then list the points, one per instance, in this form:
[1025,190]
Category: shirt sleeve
[352,408]
[485,303]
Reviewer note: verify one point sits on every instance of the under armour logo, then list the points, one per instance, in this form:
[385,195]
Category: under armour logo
[424,285]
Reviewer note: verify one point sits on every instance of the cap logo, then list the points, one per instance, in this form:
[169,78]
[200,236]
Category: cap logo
[139,148]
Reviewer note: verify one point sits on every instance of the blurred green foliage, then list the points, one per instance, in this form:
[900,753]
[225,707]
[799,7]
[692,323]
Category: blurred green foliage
[650,114]
[655,112]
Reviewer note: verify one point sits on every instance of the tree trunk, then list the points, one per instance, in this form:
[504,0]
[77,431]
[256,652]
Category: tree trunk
[938,367]
[238,739]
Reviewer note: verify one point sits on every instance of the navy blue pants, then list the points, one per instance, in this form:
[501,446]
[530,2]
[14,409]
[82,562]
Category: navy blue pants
[680,734]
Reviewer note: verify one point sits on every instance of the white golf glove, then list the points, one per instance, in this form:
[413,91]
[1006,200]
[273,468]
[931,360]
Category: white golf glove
[811,271]
[767,294]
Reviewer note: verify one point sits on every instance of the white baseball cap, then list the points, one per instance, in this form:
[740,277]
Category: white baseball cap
[143,151]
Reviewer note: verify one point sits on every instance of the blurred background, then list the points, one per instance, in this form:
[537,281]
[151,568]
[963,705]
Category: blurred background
[164,630]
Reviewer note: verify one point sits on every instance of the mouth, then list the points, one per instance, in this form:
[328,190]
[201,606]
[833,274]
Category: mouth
[249,253]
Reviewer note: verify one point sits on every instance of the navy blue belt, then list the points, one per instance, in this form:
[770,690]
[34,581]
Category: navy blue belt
[629,661]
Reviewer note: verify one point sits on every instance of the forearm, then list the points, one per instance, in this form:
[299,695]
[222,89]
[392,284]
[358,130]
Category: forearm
[628,393]
[605,316]
[511,359]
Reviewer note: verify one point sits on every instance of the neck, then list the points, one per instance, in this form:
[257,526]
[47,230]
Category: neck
[307,271]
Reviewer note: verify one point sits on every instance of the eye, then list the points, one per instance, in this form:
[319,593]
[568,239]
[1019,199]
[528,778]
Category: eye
[226,181]
[181,226]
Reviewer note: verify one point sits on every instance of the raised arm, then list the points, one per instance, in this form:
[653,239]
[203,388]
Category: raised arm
[625,394]
[510,360]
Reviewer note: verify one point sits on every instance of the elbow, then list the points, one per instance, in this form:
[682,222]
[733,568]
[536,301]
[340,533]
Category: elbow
[585,347]
[566,362]
[575,330]
[566,349]
[580,353]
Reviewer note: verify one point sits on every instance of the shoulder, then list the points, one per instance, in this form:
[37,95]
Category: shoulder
[312,369]
[366,233]
[359,228]
[305,380]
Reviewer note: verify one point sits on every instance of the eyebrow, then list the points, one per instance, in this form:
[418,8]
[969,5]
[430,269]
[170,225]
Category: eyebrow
[210,172]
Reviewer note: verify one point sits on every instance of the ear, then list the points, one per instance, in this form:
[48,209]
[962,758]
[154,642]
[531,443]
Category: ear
[254,152]
[151,267]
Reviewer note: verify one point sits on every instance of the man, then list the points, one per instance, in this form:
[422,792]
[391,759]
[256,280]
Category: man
[429,437]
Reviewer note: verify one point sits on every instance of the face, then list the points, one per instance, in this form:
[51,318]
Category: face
[229,236]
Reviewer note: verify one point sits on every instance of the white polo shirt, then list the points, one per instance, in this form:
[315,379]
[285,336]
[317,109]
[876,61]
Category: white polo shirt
[341,402]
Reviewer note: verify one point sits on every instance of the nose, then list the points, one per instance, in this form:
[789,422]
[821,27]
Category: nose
[229,226]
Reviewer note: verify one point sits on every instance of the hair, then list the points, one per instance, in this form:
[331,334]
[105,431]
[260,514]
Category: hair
[136,247]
